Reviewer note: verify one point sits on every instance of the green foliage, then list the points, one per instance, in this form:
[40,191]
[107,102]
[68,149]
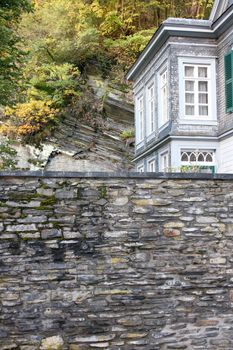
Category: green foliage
[197,169]
[103,192]
[125,50]
[57,83]
[127,134]
[8,156]
[10,53]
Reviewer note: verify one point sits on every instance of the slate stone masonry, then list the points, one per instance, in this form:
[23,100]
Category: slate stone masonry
[120,261]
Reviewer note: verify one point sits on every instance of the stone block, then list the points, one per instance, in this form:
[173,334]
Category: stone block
[218,261]
[51,233]
[206,219]
[21,228]
[173,224]
[170,233]
[94,338]
[121,201]
[153,202]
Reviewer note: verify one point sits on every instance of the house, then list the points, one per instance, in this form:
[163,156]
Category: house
[183,86]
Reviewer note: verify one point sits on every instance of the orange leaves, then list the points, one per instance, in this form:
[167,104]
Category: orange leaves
[33,118]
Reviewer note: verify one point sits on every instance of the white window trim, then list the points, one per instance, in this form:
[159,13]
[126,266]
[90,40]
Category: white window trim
[211,119]
[139,139]
[149,131]
[161,123]
[163,152]
[150,161]
[141,168]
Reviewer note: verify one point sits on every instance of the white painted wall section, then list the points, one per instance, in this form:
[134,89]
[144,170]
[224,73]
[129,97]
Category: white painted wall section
[226,156]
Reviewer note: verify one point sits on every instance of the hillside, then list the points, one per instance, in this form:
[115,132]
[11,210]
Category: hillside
[62,67]
[76,146]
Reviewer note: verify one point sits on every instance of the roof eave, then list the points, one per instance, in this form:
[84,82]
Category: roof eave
[168,29]
[159,38]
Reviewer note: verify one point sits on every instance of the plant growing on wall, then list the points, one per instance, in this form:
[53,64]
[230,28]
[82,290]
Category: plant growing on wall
[8,156]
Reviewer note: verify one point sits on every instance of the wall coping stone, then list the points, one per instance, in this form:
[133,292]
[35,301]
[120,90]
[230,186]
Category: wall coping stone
[115,175]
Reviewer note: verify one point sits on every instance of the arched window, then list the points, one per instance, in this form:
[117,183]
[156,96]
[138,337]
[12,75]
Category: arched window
[197,157]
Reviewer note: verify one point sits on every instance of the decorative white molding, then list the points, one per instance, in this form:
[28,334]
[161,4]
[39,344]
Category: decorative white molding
[212,113]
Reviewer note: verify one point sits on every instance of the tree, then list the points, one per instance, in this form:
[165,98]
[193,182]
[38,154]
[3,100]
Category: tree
[10,52]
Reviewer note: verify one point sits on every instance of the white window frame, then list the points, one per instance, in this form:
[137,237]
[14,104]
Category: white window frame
[151,165]
[212,110]
[140,117]
[162,156]
[163,120]
[198,150]
[150,104]
[141,168]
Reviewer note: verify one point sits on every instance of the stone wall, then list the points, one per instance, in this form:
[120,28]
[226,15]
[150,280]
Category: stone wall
[129,262]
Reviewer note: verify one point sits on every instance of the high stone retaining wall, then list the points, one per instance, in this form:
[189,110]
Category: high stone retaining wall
[129,262]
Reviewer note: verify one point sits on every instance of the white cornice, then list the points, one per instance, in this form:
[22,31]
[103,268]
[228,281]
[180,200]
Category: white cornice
[218,8]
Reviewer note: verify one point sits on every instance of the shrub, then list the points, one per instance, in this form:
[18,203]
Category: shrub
[31,122]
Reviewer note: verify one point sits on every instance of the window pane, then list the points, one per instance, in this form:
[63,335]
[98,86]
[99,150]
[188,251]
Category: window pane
[203,110]
[164,78]
[151,92]
[203,86]
[184,157]
[189,71]
[209,158]
[202,72]
[201,158]
[152,166]
[189,98]
[189,85]
[193,157]
[203,98]
[189,110]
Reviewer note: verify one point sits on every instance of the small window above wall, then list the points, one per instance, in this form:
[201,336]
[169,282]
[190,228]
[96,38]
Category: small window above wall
[151,166]
[164,161]
[229,81]
[140,168]
[197,89]
[197,160]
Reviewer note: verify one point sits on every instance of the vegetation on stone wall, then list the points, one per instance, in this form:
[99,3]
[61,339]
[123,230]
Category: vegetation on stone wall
[61,43]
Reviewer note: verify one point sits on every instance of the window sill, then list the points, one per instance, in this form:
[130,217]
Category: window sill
[140,144]
[198,121]
[151,136]
[162,127]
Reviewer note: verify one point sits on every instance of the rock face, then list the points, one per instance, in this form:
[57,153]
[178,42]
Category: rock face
[115,263]
[78,147]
